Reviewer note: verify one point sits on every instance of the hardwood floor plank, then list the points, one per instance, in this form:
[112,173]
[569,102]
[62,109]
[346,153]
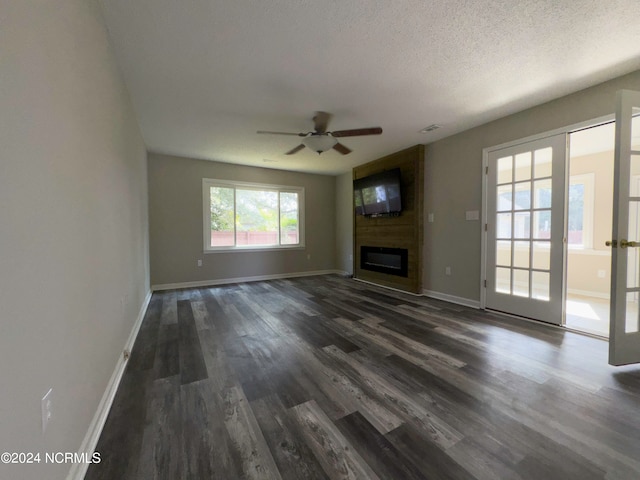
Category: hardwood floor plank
[314,331]
[204,432]
[144,351]
[256,459]
[215,312]
[417,448]
[408,343]
[122,436]
[440,432]
[376,450]
[167,361]
[219,369]
[292,455]
[161,456]
[200,315]
[339,459]
[364,400]
[399,347]
[474,454]
[192,365]
[169,308]
[325,377]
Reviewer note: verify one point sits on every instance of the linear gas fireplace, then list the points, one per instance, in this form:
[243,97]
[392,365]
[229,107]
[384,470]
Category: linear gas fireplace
[392,261]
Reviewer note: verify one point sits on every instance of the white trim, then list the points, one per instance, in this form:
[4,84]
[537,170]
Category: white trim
[255,248]
[207,183]
[483,232]
[256,278]
[485,162]
[567,130]
[78,470]
[589,252]
[467,302]
[588,293]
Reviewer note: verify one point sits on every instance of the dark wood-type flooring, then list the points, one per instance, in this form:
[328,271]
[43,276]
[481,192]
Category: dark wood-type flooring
[326,377]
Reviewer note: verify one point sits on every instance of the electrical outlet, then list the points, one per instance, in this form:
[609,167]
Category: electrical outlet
[430,217]
[447,270]
[308,256]
[47,409]
[602,273]
[351,258]
[199,263]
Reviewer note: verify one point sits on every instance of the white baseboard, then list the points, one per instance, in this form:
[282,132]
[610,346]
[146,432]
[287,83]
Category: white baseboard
[588,293]
[257,278]
[452,299]
[79,470]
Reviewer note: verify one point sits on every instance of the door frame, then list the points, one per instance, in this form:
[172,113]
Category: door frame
[484,220]
[623,345]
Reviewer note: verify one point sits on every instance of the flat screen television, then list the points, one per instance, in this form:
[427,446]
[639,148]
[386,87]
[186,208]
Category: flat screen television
[378,194]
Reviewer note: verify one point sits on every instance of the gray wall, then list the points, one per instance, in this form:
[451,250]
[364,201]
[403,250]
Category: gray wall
[453,181]
[73,224]
[175,217]
[344,222]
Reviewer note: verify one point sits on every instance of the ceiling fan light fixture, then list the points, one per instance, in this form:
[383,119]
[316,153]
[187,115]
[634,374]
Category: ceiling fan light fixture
[319,143]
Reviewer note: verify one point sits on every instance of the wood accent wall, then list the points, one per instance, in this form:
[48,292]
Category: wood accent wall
[404,231]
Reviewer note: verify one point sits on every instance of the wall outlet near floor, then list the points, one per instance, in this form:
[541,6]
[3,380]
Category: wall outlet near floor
[602,273]
[47,409]
[447,270]
[430,217]
[308,256]
[199,263]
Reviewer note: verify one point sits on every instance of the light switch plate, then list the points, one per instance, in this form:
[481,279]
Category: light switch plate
[472,215]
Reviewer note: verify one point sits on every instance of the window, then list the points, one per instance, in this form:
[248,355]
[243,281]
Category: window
[247,216]
[580,209]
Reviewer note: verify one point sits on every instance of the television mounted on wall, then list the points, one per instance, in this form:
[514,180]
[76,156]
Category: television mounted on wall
[378,194]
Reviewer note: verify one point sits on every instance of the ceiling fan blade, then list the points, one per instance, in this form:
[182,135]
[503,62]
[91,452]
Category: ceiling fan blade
[295,150]
[357,132]
[282,133]
[341,148]
[321,120]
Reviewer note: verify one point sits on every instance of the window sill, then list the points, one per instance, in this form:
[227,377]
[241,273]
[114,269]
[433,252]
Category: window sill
[253,249]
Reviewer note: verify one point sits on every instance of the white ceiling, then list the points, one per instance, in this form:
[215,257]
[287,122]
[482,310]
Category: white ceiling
[204,75]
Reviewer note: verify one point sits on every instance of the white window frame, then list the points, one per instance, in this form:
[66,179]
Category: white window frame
[207,183]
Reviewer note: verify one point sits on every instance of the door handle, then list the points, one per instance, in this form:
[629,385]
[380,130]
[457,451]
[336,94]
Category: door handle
[611,243]
[625,244]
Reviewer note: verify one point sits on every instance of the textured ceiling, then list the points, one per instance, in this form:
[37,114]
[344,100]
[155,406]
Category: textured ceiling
[204,75]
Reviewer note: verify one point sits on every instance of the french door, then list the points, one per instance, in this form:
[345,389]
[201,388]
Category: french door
[525,229]
[624,334]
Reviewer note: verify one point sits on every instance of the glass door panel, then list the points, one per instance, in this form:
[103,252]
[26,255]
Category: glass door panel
[525,211]
[624,335]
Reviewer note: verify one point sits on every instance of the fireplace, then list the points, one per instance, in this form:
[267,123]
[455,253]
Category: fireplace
[392,261]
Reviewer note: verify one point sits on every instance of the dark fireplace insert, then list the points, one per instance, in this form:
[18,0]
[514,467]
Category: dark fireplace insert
[392,261]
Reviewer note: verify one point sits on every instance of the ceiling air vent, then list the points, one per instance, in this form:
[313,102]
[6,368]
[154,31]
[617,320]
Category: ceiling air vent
[430,128]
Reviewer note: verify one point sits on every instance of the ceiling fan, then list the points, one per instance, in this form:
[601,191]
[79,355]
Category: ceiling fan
[320,140]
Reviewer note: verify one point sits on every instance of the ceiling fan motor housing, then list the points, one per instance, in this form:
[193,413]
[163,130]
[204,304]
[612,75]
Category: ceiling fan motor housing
[320,140]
